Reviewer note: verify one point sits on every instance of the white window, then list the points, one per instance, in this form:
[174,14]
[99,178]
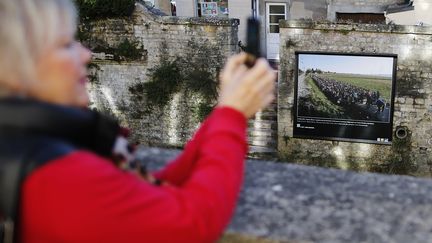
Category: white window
[274,13]
[217,8]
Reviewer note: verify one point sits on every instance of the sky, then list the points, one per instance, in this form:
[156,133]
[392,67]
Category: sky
[348,64]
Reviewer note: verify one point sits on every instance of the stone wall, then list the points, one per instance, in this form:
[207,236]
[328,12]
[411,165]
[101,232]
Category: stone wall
[413,103]
[281,203]
[191,43]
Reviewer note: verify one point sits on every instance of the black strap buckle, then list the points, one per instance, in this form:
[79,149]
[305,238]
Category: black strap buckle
[8,231]
[1,231]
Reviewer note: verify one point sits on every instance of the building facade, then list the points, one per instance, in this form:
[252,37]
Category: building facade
[271,11]
[421,15]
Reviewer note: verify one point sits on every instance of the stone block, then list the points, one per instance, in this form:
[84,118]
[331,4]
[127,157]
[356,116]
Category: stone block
[409,101]
[419,101]
[401,100]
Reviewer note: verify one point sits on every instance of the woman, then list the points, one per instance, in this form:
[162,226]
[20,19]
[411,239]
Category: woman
[79,195]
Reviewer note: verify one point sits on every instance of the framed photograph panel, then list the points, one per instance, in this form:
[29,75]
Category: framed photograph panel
[347,97]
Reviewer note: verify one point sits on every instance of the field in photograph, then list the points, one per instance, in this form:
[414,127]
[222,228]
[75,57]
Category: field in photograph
[373,83]
[337,100]
[322,106]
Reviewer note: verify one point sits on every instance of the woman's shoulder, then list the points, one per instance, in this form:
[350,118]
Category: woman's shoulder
[80,159]
[80,165]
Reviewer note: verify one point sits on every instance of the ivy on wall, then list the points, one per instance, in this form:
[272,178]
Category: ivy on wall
[93,68]
[170,77]
[99,9]
[165,80]
[408,84]
[128,49]
[92,10]
[400,161]
[191,75]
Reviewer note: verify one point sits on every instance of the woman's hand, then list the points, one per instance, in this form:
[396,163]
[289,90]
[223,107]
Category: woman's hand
[246,90]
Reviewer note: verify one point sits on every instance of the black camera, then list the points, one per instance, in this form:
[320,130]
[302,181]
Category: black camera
[253,47]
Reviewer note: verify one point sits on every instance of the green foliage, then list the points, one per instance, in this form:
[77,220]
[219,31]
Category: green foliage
[286,138]
[408,84]
[382,84]
[402,145]
[168,78]
[200,81]
[321,103]
[93,68]
[344,32]
[192,75]
[319,71]
[165,81]
[83,33]
[203,110]
[99,9]
[399,162]
[137,90]
[290,43]
[128,51]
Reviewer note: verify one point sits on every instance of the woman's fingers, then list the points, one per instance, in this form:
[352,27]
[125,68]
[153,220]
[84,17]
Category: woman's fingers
[267,82]
[233,63]
[269,99]
[260,69]
[247,90]
[262,80]
[240,72]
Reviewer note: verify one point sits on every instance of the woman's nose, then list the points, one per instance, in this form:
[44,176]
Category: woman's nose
[86,54]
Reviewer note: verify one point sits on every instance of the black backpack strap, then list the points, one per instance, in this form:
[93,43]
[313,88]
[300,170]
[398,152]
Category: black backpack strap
[15,167]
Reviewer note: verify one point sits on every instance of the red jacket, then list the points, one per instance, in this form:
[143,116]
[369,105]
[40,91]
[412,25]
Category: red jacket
[82,197]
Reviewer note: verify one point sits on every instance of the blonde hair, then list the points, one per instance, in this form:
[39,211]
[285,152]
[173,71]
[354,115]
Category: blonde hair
[26,28]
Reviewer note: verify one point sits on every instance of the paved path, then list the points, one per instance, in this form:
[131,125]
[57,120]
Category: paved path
[303,88]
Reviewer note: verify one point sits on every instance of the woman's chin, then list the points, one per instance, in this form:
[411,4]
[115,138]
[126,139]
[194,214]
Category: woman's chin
[85,103]
[81,100]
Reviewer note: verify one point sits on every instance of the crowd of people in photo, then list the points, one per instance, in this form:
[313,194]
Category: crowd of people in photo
[346,95]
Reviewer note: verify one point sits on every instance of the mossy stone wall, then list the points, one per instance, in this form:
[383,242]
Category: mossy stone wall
[130,53]
[413,101]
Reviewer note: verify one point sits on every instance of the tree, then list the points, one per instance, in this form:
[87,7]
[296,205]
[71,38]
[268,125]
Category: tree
[99,9]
